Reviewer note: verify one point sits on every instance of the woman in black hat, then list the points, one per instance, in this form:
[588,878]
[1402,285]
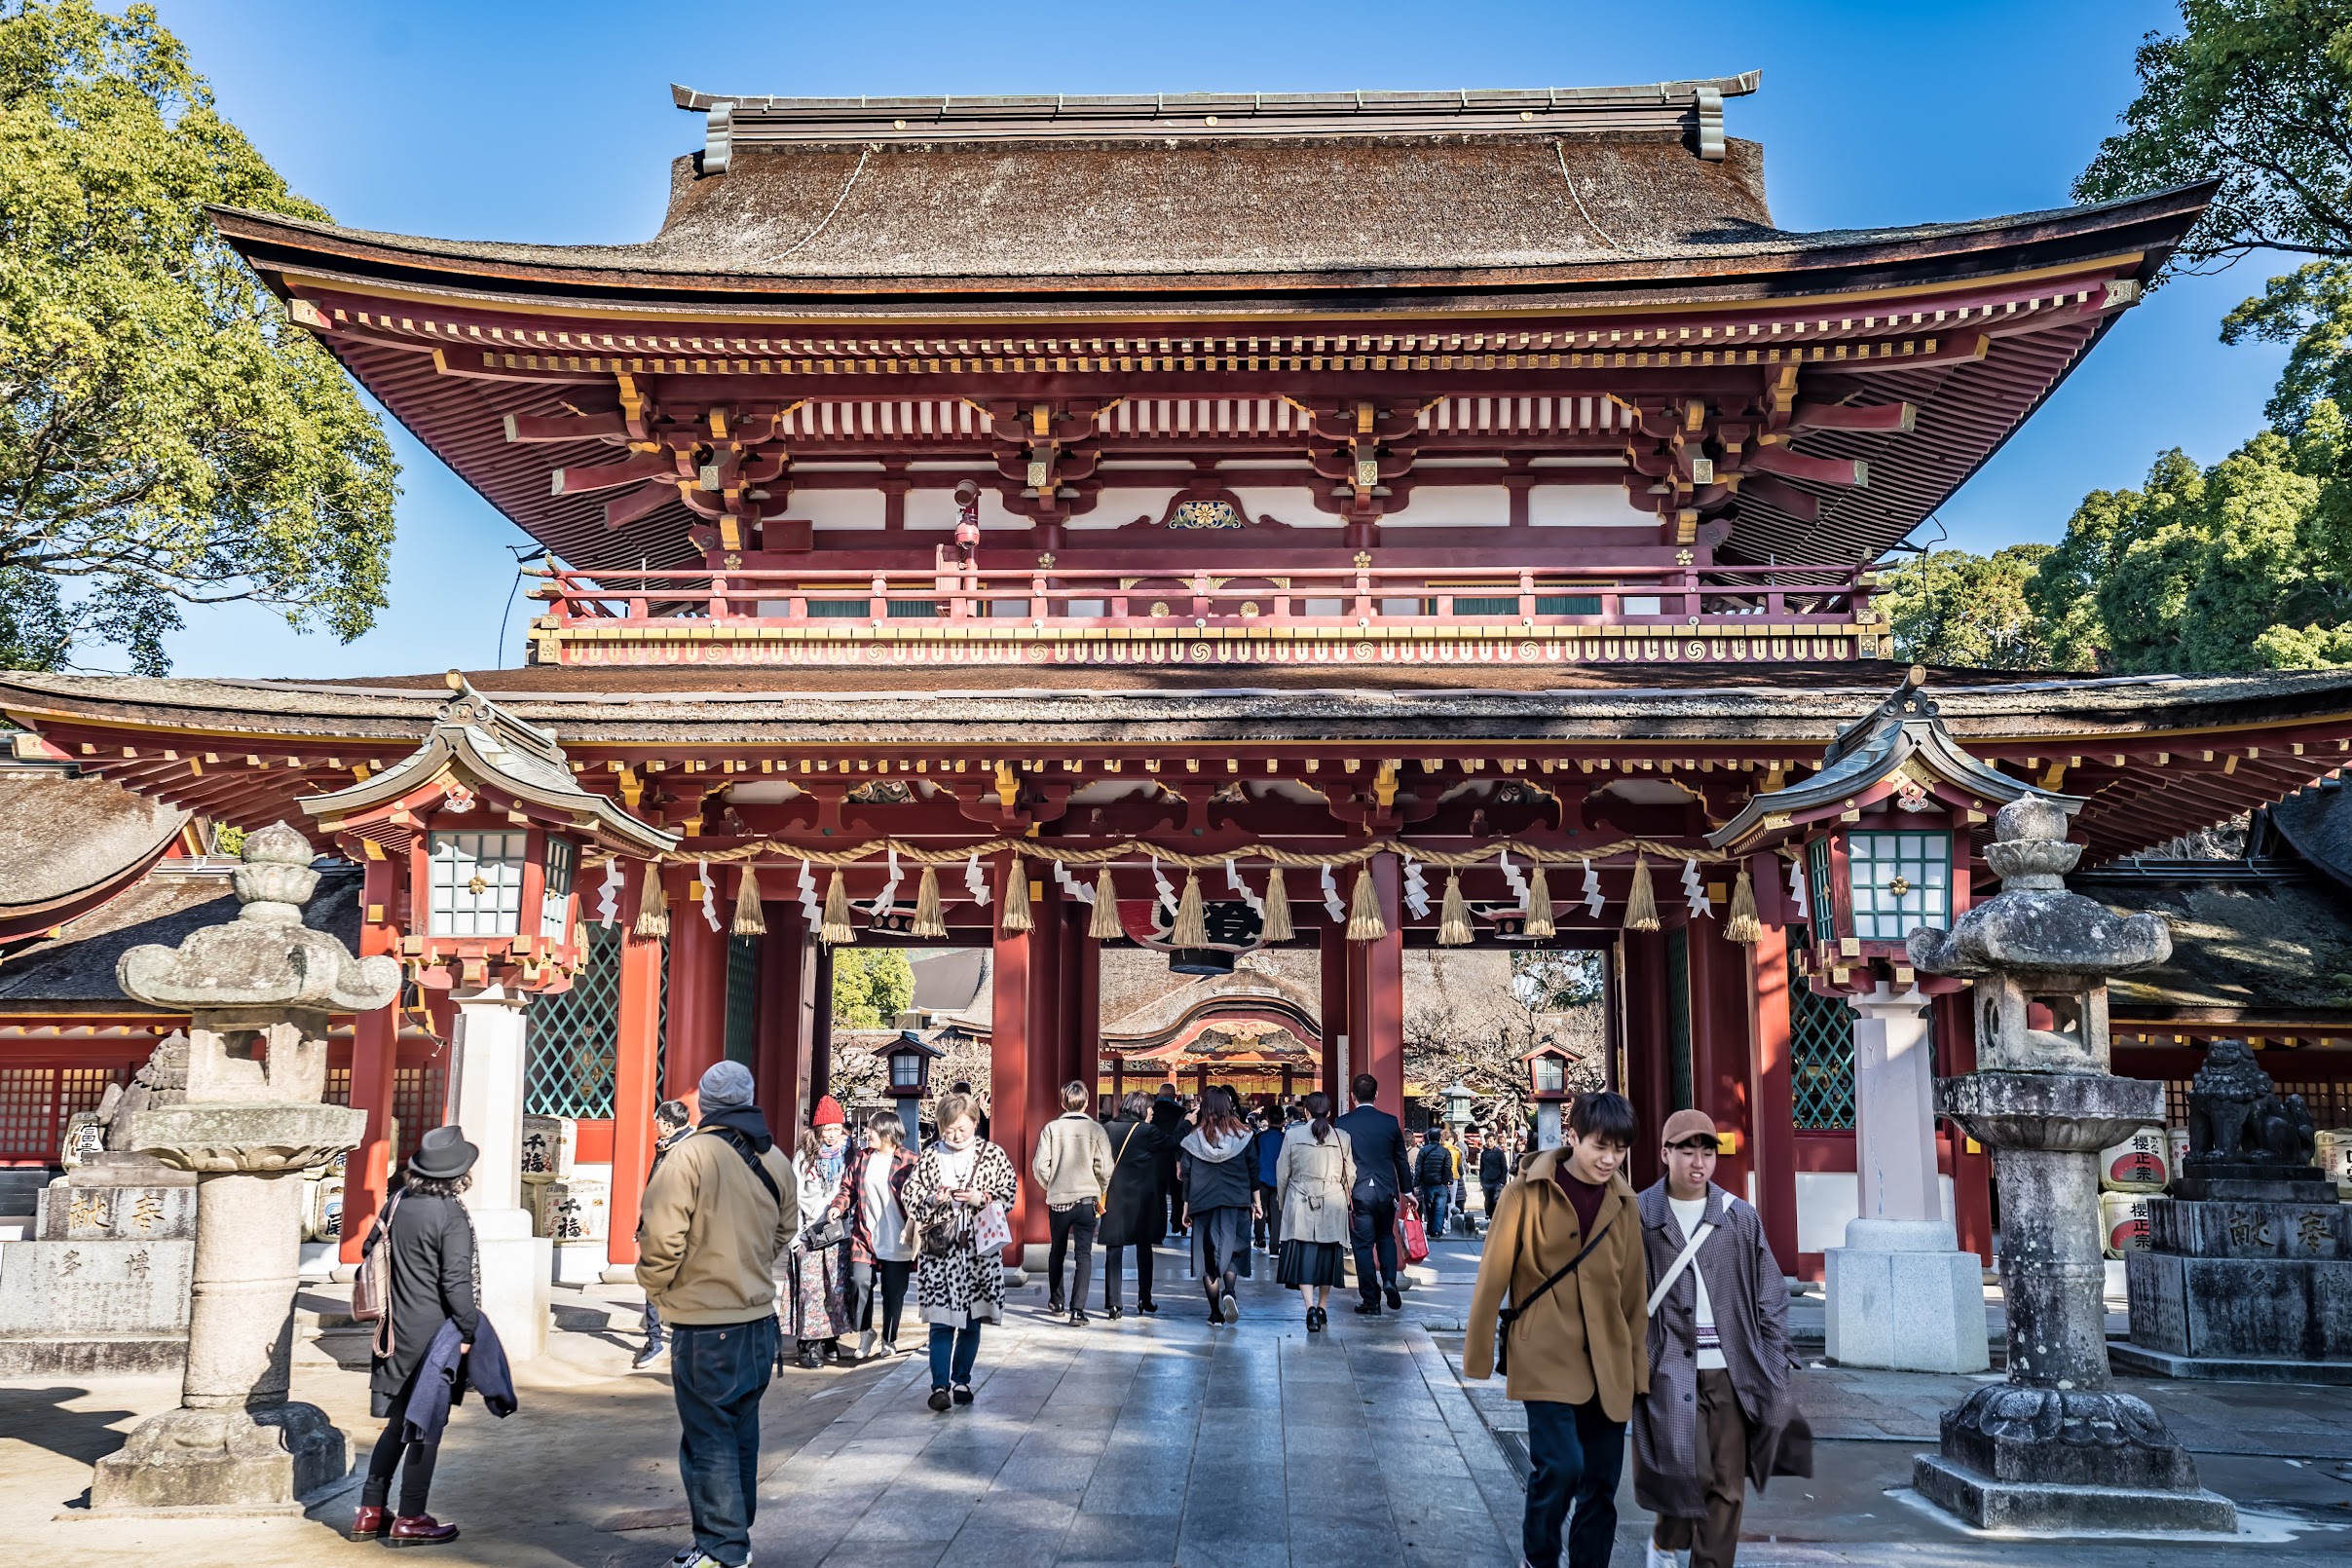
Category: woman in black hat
[435,1278]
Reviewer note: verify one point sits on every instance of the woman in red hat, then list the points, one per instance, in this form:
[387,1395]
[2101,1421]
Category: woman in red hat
[820,1298]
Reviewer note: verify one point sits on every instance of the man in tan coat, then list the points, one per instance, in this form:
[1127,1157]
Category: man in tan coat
[1073,1166]
[1565,1248]
[720,1210]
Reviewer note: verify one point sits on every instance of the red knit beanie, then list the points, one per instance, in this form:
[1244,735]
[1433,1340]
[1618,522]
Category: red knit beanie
[829,1113]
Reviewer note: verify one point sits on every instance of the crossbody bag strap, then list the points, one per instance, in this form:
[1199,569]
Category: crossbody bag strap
[742,1146]
[1506,1316]
[1690,1250]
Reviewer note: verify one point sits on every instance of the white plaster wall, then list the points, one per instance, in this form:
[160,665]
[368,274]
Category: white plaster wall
[842,510]
[1455,506]
[1582,506]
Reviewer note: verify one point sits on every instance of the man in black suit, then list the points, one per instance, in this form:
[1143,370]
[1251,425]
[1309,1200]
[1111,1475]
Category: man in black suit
[1382,1176]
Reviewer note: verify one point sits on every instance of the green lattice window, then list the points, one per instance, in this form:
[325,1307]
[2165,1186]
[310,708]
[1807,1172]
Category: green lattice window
[573,1037]
[742,998]
[1678,1015]
[1820,1031]
[1822,914]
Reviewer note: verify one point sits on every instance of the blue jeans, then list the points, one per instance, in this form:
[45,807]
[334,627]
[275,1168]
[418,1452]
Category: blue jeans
[718,1373]
[1435,1200]
[952,1352]
[1579,1453]
[652,1326]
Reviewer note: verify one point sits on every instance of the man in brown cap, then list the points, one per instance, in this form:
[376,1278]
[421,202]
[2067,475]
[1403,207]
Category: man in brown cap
[1719,1408]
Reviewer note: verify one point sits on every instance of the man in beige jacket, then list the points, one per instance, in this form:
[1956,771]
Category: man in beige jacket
[1566,1249]
[1073,1166]
[720,1210]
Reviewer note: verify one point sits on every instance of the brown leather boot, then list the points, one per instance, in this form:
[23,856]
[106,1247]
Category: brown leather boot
[418,1530]
[369,1524]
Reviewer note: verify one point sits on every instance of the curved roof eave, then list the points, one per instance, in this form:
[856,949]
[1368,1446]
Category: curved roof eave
[633,274]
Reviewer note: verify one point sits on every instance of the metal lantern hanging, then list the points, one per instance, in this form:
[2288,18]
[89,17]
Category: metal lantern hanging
[493,830]
[1880,841]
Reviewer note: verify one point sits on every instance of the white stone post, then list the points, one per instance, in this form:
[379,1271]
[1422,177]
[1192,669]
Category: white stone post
[1900,1294]
[486,1100]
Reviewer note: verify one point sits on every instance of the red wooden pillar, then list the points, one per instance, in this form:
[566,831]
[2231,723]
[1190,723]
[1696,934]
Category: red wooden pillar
[1954,1023]
[787,972]
[1334,964]
[636,1045]
[1383,1048]
[1086,1000]
[1048,1029]
[697,1033]
[820,1036]
[1009,1032]
[375,1056]
[1769,1090]
[1649,1067]
[1719,1044]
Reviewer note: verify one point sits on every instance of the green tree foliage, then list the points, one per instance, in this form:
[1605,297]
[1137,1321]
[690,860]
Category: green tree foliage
[2257,95]
[1955,609]
[2244,564]
[166,435]
[2310,310]
[870,987]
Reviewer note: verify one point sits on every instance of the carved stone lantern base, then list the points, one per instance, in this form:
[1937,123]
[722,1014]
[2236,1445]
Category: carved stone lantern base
[239,1463]
[2048,1459]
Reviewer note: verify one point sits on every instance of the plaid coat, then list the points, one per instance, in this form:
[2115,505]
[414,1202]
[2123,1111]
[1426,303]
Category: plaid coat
[1750,1300]
[850,1203]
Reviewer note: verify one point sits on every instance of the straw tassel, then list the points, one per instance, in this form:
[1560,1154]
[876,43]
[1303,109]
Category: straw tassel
[1742,927]
[1453,915]
[654,908]
[836,928]
[1191,927]
[928,922]
[749,922]
[1641,904]
[1364,923]
[1017,918]
[1277,921]
[1539,907]
[1106,926]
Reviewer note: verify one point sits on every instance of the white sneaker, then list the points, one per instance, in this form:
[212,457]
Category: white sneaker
[1658,1556]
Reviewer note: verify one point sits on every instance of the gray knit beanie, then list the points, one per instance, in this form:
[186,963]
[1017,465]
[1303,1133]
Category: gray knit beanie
[726,1086]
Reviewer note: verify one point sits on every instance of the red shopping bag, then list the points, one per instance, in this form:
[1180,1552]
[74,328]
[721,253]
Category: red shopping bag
[1411,1234]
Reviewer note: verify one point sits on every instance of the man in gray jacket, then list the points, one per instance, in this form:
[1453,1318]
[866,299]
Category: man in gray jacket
[1073,1165]
[1718,1409]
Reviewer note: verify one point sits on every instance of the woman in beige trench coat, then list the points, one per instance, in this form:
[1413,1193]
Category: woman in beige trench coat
[1312,1177]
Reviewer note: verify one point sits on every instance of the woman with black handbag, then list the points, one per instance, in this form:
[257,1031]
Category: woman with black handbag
[1132,1212]
[958,1276]
[820,1298]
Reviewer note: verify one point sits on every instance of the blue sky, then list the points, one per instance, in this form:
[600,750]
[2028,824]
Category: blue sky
[552,122]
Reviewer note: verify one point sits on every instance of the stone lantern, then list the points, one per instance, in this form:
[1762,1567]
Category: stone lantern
[1548,1085]
[259,991]
[909,1058]
[2055,1447]
[489,830]
[1879,839]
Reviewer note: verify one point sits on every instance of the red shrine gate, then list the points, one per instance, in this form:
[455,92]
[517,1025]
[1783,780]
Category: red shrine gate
[912,528]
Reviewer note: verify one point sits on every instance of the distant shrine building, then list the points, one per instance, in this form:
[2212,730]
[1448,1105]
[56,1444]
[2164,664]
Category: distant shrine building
[1350,521]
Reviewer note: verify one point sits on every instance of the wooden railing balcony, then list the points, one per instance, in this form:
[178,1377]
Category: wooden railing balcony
[1089,614]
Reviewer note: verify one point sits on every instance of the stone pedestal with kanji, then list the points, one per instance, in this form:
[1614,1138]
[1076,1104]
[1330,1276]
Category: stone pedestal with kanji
[2248,1270]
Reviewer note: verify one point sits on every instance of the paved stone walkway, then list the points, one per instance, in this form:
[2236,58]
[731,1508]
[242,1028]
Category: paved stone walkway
[1165,1441]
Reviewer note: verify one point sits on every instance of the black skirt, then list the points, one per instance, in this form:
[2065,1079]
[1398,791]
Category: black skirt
[1311,1263]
